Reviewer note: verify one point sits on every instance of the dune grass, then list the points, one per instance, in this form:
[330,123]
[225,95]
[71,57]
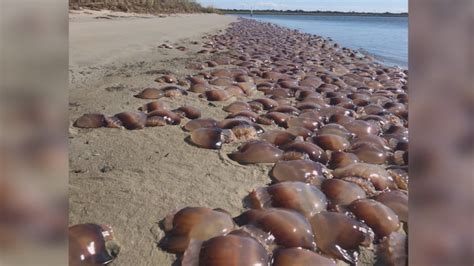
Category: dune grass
[144,6]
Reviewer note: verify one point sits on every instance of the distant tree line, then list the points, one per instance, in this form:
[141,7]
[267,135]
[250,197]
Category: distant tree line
[303,12]
[144,6]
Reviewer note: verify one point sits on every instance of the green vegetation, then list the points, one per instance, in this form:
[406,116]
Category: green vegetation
[144,6]
[302,12]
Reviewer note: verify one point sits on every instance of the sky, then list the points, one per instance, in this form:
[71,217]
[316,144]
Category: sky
[311,5]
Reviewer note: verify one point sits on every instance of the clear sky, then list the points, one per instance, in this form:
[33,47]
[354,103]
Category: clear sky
[311,5]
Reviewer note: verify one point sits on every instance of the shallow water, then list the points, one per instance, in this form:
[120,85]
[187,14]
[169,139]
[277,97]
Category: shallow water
[386,38]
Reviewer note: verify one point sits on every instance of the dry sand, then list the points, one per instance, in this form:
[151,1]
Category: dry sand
[132,179]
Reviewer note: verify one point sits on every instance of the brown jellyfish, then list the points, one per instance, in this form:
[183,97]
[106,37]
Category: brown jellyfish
[166,79]
[300,132]
[340,119]
[287,109]
[221,82]
[335,129]
[331,142]
[298,196]
[300,257]
[397,201]
[289,228]
[155,121]
[377,175]
[279,118]
[211,138]
[369,153]
[237,107]
[200,123]
[360,128]
[266,103]
[400,178]
[229,250]
[199,88]
[308,123]
[173,91]
[247,87]
[91,121]
[299,170]
[188,111]
[370,140]
[234,90]
[170,117]
[376,215]
[197,80]
[150,93]
[246,114]
[152,106]
[221,73]
[341,159]
[393,250]
[217,95]
[132,120]
[197,223]
[339,236]
[278,137]
[92,244]
[301,150]
[340,192]
[256,151]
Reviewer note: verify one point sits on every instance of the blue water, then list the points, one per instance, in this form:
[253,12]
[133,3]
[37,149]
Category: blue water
[385,38]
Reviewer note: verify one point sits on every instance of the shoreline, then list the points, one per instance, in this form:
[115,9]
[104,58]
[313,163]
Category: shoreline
[377,58]
[132,179]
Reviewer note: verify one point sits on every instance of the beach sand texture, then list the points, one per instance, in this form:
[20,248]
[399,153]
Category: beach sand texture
[133,179]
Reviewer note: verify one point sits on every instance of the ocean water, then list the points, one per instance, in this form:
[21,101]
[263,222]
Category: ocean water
[385,38]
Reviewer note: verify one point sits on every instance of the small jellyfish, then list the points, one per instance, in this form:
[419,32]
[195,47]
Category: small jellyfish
[376,215]
[211,138]
[92,244]
[150,93]
[341,159]
[299,170]
[397,201]
[170,117]
[278,137]
[331,142]
[237,107]
[217,95]
[393,250]
[340,192]
[301,150]
[188,111]
[200,123]
[197,223]
[298,196]
[229,250]
[91,121]
[289,228]
[339,236]
[256,151]
[152,106]
[132,120]
[377,175]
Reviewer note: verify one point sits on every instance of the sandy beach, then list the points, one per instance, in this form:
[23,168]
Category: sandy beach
[132,179]
[338,112]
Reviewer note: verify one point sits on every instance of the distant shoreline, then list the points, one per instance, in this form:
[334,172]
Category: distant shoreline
[309,13]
